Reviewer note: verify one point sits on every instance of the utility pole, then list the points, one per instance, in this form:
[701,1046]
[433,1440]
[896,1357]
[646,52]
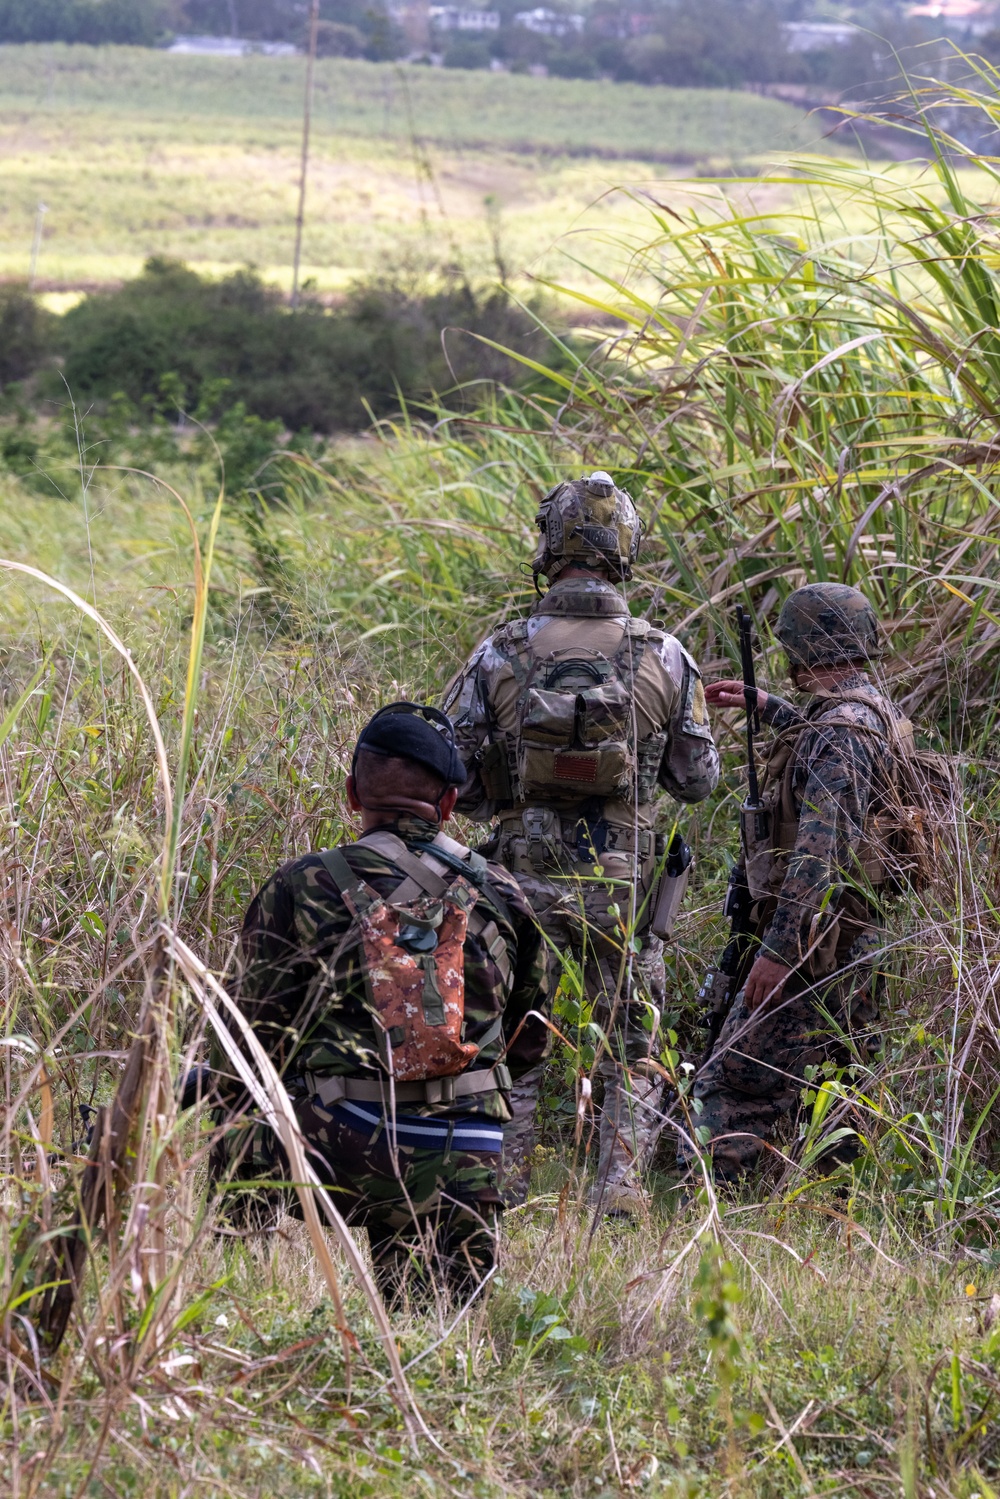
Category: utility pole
[36,243]
[304,168]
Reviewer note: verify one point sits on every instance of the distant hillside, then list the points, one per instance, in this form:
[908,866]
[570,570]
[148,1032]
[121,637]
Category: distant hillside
[450,107]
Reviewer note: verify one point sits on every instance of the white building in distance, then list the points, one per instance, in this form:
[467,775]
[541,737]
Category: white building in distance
[456,18]
[549,22]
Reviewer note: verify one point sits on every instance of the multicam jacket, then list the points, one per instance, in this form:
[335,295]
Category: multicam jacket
[840,774]
[670,709]
[313,1020]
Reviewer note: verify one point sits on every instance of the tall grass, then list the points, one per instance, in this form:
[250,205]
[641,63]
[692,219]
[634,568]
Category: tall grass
[782,409]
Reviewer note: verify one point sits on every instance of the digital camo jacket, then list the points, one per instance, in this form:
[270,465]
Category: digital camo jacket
[312,1019]
[839,776]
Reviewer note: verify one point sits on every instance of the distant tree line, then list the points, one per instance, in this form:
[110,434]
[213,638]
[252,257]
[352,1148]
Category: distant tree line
[693,43]
[139,23]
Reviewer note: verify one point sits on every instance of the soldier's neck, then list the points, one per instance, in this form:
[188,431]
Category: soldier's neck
[418,816]
[819,679]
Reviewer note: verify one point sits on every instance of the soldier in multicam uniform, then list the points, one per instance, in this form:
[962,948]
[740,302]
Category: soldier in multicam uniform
[814,873]
[570,721]
[417,1169]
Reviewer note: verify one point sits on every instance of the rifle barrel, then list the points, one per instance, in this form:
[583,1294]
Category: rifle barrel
[750,698]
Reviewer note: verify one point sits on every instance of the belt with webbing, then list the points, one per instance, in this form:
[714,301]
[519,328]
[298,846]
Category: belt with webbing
[435,1090]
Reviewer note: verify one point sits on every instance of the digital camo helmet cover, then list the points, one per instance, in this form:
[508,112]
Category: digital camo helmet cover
[590,522]
[828,624]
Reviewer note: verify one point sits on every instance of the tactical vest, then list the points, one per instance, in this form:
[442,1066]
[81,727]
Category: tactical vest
[896,846]
[573,748]
[574,738]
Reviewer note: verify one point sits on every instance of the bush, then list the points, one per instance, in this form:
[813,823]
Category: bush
[467,52]
[139,23]
[170,330]
[335,39]
[24,334]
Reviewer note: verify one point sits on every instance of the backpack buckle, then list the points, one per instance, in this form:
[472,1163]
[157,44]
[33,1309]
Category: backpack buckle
[539,825]
[439,1090]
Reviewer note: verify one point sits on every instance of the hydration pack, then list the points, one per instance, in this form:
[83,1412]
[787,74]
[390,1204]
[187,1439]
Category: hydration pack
[413,958]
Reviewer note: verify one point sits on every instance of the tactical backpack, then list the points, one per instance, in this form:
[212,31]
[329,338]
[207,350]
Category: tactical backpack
[413,958]
[913,833]
[575,727]
[906,839]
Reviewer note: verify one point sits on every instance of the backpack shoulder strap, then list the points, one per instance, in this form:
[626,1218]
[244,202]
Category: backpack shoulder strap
[356,895]
[628,656]
[898,731]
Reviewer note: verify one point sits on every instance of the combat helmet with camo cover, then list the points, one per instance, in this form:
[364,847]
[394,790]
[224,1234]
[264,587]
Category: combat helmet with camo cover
[828,624]
[589,522]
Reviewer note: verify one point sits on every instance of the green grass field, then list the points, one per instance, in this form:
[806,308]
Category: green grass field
[816,404]
[138,153]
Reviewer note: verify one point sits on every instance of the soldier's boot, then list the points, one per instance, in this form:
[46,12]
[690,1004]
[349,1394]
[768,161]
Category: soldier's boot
[519,1139]
[630,1127]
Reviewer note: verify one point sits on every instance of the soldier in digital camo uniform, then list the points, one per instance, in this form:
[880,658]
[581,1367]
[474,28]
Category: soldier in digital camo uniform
[815,877]
[418,1169]
[571,721]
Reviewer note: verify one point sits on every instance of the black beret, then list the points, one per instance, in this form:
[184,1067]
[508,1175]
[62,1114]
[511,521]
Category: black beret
[414,731]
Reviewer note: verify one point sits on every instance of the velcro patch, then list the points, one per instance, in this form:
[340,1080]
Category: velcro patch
[580,768]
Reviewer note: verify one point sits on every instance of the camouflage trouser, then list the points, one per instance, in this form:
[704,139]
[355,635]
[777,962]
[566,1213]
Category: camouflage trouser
[576,919]
[426,1212]
[750,1087]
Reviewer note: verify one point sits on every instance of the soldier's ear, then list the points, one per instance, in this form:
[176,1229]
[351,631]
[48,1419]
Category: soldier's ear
[447,803]
[353,801]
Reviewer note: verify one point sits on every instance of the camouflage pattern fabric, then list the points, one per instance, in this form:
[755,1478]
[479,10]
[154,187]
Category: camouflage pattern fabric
[303,990]
[667,691]
[824,924]
[428,1213]
[671,723]
[750,1088]
[576,919]
[587,520]
[841,773]
[827,623]
[308,1005]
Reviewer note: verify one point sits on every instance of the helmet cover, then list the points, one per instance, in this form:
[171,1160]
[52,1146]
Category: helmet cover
[588,522]
[828,624]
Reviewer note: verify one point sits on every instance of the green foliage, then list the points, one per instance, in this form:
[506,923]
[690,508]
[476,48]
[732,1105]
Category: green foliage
[94,22]
[211,345]
[812,1337]
[355,98]
[25,335]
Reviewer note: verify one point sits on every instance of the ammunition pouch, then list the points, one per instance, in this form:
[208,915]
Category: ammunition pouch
[540,841]
[765,864]
[494,772]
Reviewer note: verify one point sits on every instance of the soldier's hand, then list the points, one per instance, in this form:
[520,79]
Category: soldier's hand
[731,694]
[765,983]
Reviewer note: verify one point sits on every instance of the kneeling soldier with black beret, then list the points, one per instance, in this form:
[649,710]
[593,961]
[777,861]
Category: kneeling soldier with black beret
[387,978]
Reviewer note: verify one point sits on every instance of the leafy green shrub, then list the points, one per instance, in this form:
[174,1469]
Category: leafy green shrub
[337,39]
[24,334]
[467,52]
[394,337]
[138,22]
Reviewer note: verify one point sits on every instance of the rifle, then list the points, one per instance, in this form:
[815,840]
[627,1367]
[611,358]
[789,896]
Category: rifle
[753,802]
[720,986]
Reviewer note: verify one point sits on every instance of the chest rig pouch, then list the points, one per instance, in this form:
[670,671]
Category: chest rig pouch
[413,962]
[574,736]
